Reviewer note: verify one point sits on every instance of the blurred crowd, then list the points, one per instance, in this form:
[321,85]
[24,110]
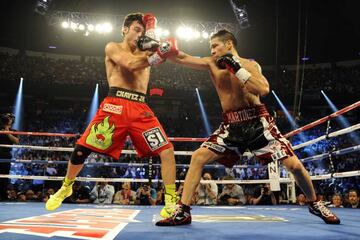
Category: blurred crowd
[90,70]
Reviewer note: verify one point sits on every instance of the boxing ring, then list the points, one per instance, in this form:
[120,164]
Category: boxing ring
[30,220]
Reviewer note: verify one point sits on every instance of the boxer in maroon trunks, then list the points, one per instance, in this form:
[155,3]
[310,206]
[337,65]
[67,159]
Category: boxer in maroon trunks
[246,125]
[124,111]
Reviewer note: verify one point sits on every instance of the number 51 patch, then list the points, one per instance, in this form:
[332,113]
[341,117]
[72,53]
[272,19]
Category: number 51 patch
[155,138]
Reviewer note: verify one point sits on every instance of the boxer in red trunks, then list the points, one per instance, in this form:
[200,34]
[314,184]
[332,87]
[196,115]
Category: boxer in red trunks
[124,111]
[246,125]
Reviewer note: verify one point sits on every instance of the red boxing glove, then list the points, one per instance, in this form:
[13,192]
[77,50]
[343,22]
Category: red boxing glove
[150,22]
[168,48]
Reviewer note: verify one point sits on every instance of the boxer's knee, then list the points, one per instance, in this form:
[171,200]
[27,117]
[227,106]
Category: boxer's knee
[79,155]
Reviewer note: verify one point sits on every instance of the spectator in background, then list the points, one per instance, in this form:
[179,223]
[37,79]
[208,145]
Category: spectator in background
[232,194]
[6,121]
[264,196]
[320,197]
[39,196]
[30,196]
[206,193]
[301,200]
[146,195]
[21,197]
[353,199]
[160,196]
[12,195]
[81,194]
[336,201]
[102,193]
[51,170]
[49,192]
[125,196]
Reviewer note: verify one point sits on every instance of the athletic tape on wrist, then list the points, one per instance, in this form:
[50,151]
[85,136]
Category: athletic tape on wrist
[243,75]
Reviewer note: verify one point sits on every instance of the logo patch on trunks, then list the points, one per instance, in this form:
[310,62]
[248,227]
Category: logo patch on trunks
[213,146]
[111,108]
[155,138]
[100,135]
[278,155]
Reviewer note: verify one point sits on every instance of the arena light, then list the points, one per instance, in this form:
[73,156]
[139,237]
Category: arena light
[203,114]
[286,112]
[158,32]
[42,6]
[187,33]
[107,27]
[205,35]
[180,32]
[344,123]
[165,33]
[81,27]
[57,17]
[196,34]
[18,106]
[240,13]
[90,27]
[291,120]
[73,26]
[65,24]
[99,28]
[94,104]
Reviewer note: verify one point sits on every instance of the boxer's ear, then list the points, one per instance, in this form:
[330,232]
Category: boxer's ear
[228,44]
[125,30]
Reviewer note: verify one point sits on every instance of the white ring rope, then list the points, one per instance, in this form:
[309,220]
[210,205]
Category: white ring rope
[335,153]
[92,179]
[68,149]
[187,153]
[333,134]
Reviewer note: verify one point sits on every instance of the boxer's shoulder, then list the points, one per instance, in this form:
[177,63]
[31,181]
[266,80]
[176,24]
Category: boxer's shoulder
[246,61]
[113,46]
[250,63]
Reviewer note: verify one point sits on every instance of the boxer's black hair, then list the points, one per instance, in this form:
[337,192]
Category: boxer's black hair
[132,17]
[225,35]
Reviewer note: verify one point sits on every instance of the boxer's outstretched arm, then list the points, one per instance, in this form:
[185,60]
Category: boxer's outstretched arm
[124,59]
[190,61]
